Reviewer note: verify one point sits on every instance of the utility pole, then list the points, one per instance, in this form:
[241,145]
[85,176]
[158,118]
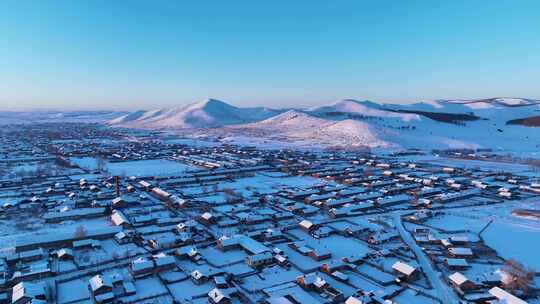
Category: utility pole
[117,183]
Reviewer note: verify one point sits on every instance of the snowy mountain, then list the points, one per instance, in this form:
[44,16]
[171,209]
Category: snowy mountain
[349,108]
[291,119]
[304,128]
[500,123]
[498,110]
[489,123]
[209,113]
[502,101]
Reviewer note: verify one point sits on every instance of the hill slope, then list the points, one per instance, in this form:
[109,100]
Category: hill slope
[305,129]
[209,113]
[499,123]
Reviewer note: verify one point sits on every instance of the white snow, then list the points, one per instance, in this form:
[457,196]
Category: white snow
[365,108]
[352,123]
[204,114]
[298,126]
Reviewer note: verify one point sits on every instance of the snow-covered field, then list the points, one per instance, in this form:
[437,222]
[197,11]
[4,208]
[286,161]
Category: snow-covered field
[135,168]
[511,236]
[147,167]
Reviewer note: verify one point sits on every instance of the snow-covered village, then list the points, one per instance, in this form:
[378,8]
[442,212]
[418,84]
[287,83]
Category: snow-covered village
[93,214]
[269,152]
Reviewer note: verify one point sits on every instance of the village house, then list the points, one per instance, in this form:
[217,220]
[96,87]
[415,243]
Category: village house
[505,297]
[64,254]
[336,265]
[220,295]
[456,264]
[101,288]
[241,241]
[258,260]
[188,252]
[86,244]
[320,253]
[141,267]
[405,272]
[381,237]
[119,219]
[145,185]
[199,277]
[306,225]
[122,238]
[314,282]
[28,292]
[163,241]
[461,283]
[163,261]
[460,252]
[221,282]
[160,194]
[207,218]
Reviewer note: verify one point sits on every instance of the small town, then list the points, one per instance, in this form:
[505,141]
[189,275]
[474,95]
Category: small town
[93,214]
[269,152]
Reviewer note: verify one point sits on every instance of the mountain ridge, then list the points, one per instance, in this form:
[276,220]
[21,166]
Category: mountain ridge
[212,113]
[208,113]
[499,122]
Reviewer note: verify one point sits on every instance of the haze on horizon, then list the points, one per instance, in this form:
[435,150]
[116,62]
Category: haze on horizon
[140,54]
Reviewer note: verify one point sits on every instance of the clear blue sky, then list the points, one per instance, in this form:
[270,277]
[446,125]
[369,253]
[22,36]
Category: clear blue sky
[147,54]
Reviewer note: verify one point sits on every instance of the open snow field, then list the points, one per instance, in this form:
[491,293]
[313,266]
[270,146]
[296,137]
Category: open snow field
[136,168]
[262,183]
[484,165]
[13,230]
[511,236]
[515,240]
[148,167]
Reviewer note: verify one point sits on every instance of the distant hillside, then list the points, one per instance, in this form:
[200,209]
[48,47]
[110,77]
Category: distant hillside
[23,117]
[209,113]
[493,122]
[533,121]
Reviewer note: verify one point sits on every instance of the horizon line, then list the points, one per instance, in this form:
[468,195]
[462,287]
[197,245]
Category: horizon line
[299,106]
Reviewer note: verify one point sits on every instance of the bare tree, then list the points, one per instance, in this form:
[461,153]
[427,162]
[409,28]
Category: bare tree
[229,191]
[100,163]
[519,276]
[80,232]
[415,198]
[62,162]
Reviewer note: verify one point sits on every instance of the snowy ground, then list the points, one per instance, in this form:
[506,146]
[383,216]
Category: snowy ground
[511,236]
[136,168]
[10,230]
